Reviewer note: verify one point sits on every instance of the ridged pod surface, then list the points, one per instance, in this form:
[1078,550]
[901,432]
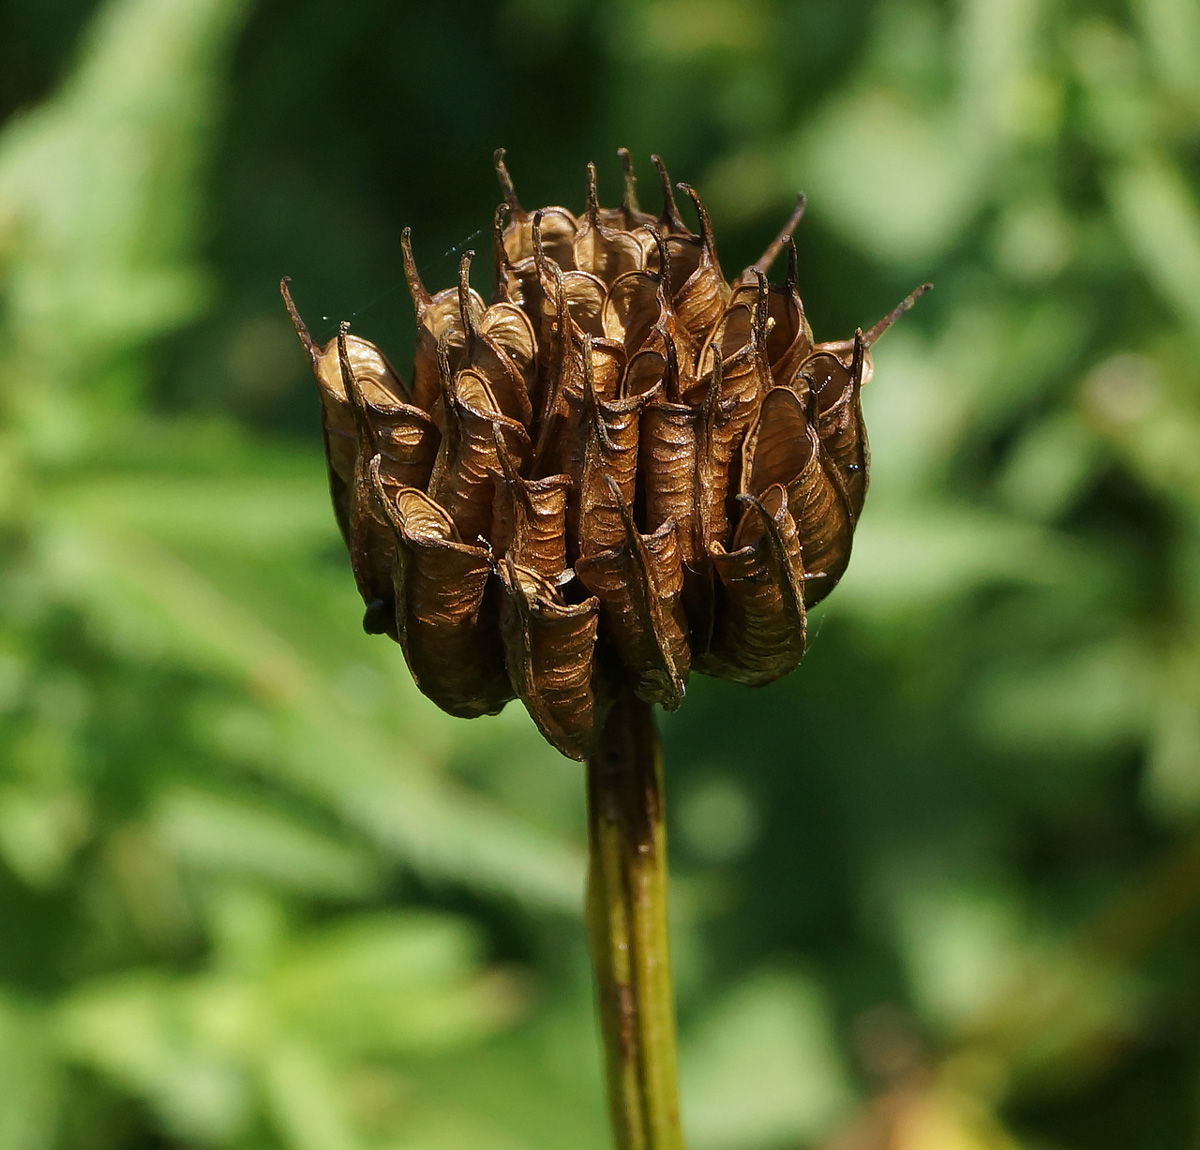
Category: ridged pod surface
[620,470]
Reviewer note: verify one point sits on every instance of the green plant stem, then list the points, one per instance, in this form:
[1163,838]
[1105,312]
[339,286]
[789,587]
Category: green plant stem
[627,928]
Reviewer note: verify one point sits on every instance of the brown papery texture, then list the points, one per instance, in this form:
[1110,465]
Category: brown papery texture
[621,469]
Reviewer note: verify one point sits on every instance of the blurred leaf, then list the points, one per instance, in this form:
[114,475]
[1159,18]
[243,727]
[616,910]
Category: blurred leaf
[963,947]
[196,1047]
[1087,702]
[1050,468]
[1172,29]
[1161,220]
[29,1079]
[304,1103]
[98,197]
[761,1069]
[40,829]
[390,983]
[915,558]
[139,1030]
[225,835]
[1173,768]
[897,184]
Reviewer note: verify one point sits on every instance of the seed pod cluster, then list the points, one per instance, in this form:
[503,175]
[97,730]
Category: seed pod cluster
[619,470]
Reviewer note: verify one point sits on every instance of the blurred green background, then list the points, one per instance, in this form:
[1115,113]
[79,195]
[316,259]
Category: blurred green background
[936,891]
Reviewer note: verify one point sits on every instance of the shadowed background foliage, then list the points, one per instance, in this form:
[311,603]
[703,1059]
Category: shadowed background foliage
[936,891]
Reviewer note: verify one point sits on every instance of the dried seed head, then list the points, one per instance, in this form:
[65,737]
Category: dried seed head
[621,469]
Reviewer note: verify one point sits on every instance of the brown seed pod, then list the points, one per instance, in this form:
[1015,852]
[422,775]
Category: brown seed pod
[621,469]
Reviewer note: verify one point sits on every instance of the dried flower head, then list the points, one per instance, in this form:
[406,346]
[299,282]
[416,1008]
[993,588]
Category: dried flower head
[619,470]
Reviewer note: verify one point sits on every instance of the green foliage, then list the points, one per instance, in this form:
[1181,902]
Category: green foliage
[255,892]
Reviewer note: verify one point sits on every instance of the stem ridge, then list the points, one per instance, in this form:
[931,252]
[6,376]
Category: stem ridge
[627,928]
